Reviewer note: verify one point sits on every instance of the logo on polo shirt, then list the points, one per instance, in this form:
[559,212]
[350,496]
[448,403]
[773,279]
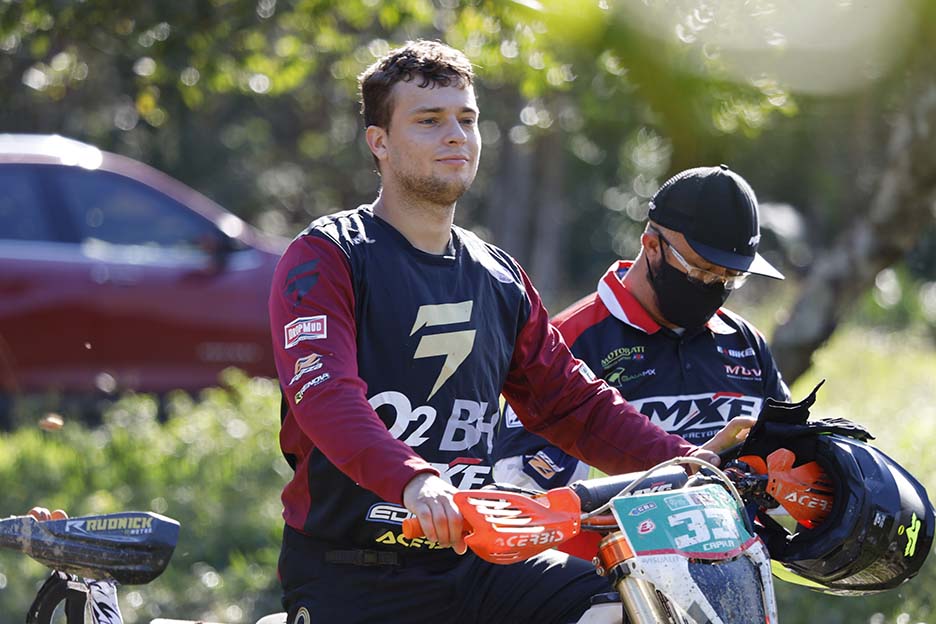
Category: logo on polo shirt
[736,353]
[742,372]
[634,353]
[619,376]
[703,413]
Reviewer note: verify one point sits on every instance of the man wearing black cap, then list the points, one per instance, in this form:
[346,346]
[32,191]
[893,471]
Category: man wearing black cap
[655,328]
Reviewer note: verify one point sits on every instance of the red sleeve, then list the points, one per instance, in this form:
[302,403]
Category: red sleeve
[328,407]
[580,316]
[555,397]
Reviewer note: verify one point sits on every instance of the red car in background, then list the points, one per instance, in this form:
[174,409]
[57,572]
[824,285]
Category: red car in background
[115,276]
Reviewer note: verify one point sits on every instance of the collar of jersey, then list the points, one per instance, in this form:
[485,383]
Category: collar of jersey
[447,258]
[623,306]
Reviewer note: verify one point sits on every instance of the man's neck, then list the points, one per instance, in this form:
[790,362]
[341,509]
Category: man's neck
[638,284]
[427,227]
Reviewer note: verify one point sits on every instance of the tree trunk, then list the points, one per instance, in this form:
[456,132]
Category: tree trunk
[509,205]
[900,208]
[548,217]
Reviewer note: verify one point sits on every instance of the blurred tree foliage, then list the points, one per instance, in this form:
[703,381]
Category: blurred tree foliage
[587,107]
[254,103]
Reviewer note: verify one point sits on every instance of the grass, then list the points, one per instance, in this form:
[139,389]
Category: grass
[887,382]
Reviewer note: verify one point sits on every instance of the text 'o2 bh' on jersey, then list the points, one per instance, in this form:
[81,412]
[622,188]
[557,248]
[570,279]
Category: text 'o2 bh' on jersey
[391,362]
[689,384]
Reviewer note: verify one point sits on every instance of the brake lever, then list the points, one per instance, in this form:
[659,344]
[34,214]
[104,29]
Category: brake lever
[750,485]
[516,489]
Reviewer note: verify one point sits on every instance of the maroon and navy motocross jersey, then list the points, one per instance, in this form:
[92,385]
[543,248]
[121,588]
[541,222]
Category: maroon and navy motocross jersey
[391,362]
[690,384]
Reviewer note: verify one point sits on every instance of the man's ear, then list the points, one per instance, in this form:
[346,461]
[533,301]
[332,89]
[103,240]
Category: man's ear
[651,244]
[377,141]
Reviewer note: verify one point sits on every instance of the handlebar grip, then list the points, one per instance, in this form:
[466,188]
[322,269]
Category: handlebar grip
[412,529]
[732,452]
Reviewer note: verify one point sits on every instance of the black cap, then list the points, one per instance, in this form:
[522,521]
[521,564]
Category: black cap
[715,209]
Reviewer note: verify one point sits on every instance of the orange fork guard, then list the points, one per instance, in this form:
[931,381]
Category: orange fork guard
[507,527]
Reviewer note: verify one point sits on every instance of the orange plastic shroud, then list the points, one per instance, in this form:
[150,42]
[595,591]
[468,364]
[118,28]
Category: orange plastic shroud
[806,491]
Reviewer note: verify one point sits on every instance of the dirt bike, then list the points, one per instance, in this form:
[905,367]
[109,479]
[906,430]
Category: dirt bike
[677,549]
[90,556]
[809,500]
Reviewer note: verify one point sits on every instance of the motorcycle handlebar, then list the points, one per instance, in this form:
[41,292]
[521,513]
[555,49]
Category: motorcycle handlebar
[412,529]
[730,453]
[597,492]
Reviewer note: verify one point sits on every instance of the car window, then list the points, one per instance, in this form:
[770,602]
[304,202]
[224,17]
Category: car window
[112,209]
[21,213]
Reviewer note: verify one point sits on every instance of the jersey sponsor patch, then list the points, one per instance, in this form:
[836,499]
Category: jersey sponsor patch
[511,421]
[456,346]
[684,414]
[397,539]
[306,365]
[586,372]
[311,384]
[543,465]
[388,513]
[620,375]
[300,280]
[467,426]
[743,373]
[465,473]
[305,328]
[548,464]
[636,353]
[736,353]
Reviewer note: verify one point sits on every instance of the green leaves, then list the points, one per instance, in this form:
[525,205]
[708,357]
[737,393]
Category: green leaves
[214,465]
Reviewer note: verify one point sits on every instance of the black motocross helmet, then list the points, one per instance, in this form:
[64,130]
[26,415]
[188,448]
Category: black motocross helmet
[879,528]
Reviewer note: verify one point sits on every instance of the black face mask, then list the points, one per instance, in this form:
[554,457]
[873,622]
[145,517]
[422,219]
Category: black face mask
[688,304]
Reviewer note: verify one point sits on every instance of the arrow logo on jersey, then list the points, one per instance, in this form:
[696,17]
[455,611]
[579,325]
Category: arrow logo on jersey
[455,346]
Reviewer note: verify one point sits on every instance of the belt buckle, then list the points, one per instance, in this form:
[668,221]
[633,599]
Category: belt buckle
[370,557]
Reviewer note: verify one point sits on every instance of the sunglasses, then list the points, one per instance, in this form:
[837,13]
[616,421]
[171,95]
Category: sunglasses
[707,278]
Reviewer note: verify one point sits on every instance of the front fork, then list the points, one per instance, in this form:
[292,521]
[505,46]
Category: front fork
[639,598]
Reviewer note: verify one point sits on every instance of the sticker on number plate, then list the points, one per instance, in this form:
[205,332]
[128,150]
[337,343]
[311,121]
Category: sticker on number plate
[703,522]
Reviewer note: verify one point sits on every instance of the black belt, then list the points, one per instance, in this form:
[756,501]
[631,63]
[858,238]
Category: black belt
[363,557]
